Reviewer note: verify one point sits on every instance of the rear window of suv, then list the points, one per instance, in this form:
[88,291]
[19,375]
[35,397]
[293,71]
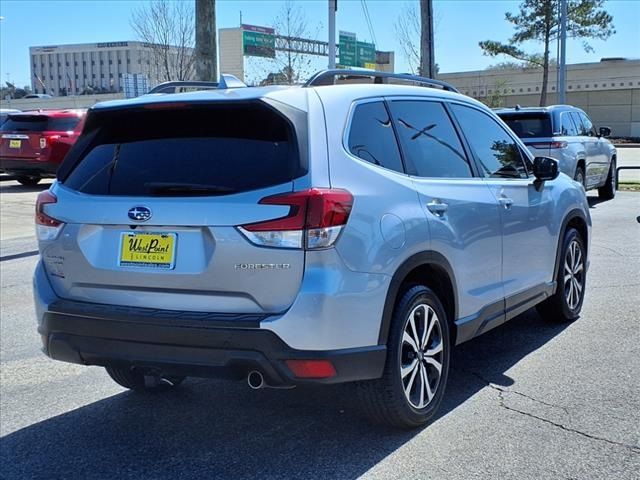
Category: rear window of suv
[529,125]
[197,150]
[39,123]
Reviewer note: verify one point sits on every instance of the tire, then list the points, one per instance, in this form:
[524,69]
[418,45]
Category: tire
[129,377]
[385,399]
[608,190]
[580,176]
[565,304]
[28,181]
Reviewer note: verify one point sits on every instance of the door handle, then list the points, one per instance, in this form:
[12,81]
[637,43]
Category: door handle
[506,202]
[437,207]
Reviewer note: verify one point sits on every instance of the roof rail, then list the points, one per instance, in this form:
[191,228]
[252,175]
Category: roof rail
[226,81]
[328,77]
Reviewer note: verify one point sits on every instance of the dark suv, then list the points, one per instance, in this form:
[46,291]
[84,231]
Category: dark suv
[34,143]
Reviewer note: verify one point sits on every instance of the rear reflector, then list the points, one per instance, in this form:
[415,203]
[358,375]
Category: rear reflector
[311,368]
[47,228]
[316,218]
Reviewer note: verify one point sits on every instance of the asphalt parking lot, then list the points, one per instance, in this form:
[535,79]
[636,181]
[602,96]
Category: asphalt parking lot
[527,400]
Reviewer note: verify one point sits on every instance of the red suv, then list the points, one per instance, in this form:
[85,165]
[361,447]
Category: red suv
[33,144]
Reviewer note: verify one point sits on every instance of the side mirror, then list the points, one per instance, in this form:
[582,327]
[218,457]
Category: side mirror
[605,131]
[545,168]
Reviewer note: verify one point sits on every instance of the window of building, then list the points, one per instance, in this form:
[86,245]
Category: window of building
[371,136]
[496,150]
[429,141]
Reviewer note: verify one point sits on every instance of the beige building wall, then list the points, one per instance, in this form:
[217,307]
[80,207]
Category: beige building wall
[609,90]
[231,53]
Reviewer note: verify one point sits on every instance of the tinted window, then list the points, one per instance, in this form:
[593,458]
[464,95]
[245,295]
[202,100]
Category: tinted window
[38,123]
[587,125]
[529,125]
[567,127]
[371,136]
[429,142]
[497,152]
[198,151]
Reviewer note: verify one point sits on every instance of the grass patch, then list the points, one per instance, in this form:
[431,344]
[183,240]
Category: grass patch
[629,186]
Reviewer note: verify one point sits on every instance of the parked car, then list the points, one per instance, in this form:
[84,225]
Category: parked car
[4,113]
[38,95]
[567,134]
[286,236]
[33,144]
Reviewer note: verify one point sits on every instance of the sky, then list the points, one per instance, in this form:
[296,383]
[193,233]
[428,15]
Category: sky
[459,26]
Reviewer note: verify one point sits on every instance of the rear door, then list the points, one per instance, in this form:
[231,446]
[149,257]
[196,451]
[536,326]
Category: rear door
[528,247]
[463,216]
[591,148]
[152,198]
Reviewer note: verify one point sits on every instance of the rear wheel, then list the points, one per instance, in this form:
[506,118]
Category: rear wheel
[28,181]
[415,375]
[608,190]
[566,303]
[134,379]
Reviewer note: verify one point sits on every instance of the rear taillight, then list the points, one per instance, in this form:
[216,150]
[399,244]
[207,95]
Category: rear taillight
[316,218]
[543,145]
[47,228]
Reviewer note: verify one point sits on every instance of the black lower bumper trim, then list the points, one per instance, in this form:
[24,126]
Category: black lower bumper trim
[190,350]
[28,167]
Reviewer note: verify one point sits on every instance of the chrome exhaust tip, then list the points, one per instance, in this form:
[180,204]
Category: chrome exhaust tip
[255,380]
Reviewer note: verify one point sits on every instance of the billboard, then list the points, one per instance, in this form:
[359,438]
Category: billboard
[258,41]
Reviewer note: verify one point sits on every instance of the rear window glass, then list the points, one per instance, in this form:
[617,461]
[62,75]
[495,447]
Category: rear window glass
[202,150]
[38,123]
[529,125]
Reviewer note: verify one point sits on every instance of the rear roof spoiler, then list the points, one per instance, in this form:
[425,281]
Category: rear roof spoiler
[226,81]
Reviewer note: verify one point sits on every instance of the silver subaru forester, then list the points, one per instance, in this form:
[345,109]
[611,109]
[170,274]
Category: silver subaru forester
[329,233]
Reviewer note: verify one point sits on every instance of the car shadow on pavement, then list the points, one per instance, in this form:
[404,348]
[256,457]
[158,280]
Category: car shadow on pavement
[215,429]
[17,188]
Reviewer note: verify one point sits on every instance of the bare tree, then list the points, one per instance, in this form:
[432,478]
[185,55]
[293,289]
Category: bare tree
[291,23]
[168,30]
[408,33]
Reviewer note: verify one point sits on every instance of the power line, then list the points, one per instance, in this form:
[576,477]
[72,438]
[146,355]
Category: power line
[367,17]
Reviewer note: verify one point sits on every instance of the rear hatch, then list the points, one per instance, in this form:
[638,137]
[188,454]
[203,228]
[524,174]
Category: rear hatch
[151,198]
[534,128]
[34,136]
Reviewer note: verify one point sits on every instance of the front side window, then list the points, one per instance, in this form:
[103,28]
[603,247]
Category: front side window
[567,127]
[497,153]
[371,136]
[588,125]
[429,141]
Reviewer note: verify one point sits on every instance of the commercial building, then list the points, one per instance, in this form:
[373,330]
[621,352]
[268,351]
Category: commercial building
[70,69]
[609,90]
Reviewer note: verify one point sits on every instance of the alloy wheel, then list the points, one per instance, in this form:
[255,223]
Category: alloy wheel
[573,274]
[421,356]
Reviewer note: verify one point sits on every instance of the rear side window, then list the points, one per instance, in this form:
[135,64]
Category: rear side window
[429,141]
[39,123]
[497,152]
[202,150]
[567,127]
[530,125]
[371,136]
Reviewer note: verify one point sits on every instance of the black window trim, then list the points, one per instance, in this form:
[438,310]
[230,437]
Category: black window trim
[347,131]
[521,147]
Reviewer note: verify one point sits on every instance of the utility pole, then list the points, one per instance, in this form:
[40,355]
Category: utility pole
[206,49]
[427,62]
[562,64]
[333,6]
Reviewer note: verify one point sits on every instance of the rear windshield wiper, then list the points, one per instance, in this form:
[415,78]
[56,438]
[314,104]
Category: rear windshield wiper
[171,189]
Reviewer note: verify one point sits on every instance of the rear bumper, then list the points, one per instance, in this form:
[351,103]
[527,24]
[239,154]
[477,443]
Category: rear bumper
[104,339]
[25,166]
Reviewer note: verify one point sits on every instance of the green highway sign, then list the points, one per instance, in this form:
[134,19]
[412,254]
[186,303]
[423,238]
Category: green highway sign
[354,53]
[258,41]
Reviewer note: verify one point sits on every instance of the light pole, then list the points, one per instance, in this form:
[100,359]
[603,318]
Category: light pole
[562,64]
[333,6]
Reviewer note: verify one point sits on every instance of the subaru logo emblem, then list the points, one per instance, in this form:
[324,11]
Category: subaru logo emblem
[139,214]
